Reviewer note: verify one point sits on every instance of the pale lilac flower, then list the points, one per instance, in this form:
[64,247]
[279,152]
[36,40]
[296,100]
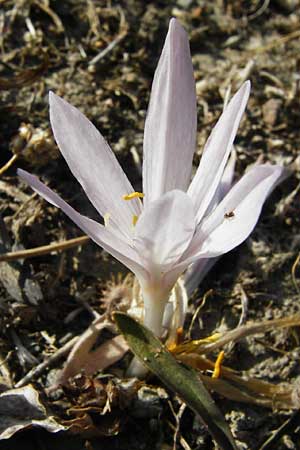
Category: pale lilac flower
[178,223]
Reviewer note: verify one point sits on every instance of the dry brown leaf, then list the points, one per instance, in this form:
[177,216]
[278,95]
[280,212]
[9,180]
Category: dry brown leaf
[84,360]
[21,409]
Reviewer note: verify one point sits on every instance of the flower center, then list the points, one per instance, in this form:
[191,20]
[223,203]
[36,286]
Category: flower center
[126,197]
[131,197]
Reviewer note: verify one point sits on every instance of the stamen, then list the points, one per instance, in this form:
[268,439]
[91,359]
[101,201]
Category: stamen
[134,220]
[218,363]
[179,335]
[172,346]
[106,219]
[133,195]
[174,342]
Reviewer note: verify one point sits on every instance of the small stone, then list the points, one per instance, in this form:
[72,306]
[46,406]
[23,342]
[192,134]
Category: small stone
[270,111]
[149,402]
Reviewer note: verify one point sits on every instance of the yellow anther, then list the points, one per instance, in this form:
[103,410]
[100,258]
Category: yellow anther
[218,363]
[133,195]
[106,219]
[134,220]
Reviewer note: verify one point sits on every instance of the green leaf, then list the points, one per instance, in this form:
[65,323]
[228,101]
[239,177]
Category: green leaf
[183,380]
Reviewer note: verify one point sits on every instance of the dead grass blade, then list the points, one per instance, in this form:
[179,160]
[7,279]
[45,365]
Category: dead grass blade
[204,346]
[247,390]
[44,249]
[286,428]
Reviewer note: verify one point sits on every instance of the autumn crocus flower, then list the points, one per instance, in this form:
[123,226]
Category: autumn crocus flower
[174,223]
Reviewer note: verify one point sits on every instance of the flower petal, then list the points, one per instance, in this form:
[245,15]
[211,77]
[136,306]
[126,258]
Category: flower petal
[197,272]
[171,123]
[216,152]
[235,217]
[93,164]
[175,310]
[227,177]
[164,231]
[97,232]
[225,183]
[199,269]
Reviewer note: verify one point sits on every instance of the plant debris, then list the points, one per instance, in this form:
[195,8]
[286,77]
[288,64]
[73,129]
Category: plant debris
[21,409]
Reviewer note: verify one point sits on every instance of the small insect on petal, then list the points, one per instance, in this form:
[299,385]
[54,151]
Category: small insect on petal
[218,363]
[133,195]
[229,215]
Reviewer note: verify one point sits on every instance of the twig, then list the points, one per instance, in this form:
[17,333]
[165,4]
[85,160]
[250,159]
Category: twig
[199,307]
[44,249]
[8,164]
[250,329]
[282,40]
[108,49]
[24,204]
[114,43]
[36,371]
[88,307]
[289,425]
[259,11]
[177,417]
[294,267]
[243,316]
[4,370]
[244,304]
[73,314]
[204,346]
[182,441]
[56,19]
